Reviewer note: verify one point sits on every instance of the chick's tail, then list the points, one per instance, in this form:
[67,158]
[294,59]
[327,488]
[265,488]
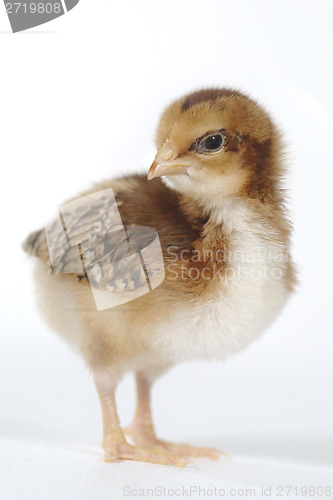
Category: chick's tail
[36,244]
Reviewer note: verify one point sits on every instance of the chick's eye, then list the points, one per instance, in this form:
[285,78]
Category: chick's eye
[212,142]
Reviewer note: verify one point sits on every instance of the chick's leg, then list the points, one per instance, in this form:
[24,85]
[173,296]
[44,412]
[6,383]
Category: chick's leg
[141,430]
[114,442]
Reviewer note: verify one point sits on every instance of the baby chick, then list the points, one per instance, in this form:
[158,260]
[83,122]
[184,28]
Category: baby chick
[214,196]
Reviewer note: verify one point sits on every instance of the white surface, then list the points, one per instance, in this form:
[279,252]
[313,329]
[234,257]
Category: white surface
[79,101]
[65,472]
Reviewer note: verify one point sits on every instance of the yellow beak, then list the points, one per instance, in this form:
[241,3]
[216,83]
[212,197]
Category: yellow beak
[169,167]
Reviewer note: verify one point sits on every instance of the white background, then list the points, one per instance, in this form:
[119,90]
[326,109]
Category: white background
[80,98]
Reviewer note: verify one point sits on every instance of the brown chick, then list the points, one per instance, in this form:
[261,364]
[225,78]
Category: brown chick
[215,199]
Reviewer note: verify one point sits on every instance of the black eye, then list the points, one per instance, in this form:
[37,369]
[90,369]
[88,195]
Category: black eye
[213,142]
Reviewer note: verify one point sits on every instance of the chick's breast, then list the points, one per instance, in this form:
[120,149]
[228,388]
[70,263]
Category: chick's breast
[201,310]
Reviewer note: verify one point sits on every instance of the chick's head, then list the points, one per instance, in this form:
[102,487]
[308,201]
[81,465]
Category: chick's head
[217,143]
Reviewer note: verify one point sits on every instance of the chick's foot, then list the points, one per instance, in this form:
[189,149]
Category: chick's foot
[145,436]
[127,451]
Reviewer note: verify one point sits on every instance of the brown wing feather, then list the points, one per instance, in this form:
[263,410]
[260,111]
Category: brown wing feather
[97,235]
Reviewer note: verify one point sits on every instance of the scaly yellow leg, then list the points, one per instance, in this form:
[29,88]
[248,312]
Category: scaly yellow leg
[142,433]
[114,442]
